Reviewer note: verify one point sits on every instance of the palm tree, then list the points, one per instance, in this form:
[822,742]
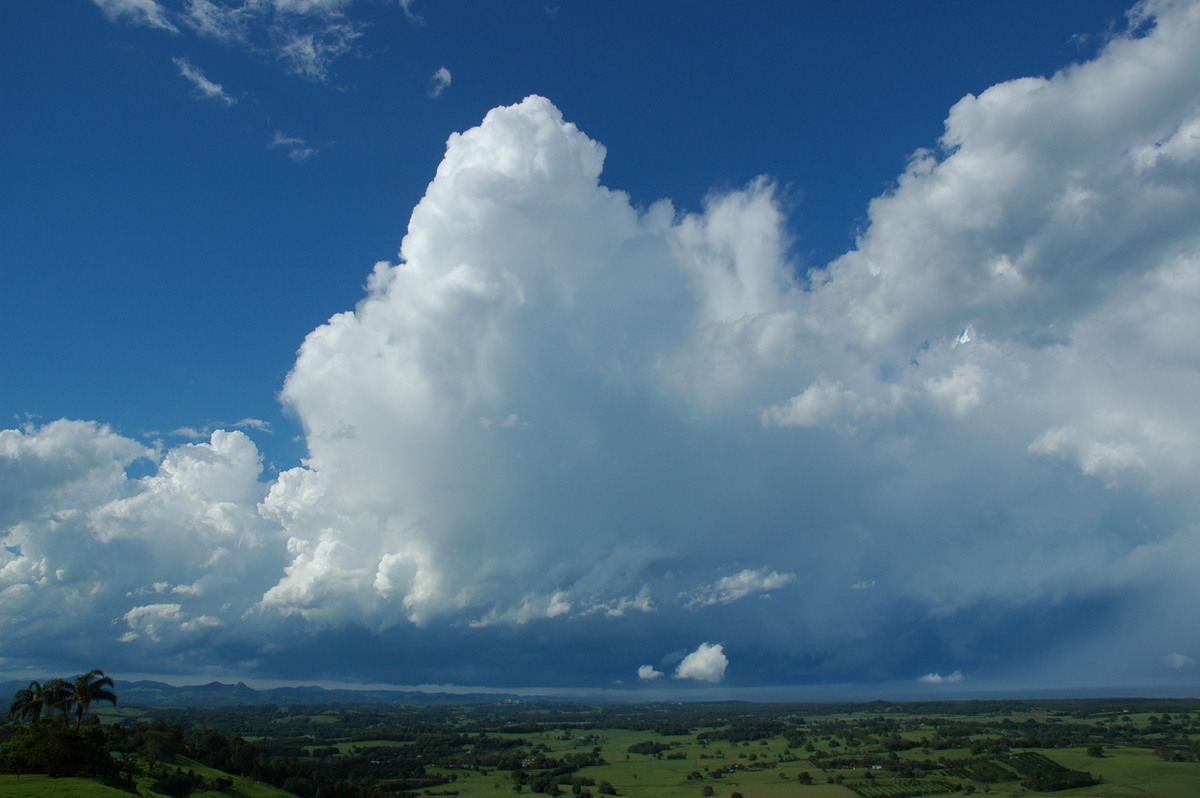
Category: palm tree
[30,702]
[27,703]
[87,688]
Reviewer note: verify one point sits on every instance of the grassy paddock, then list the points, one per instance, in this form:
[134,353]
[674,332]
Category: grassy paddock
[1131,773]
[1127,772]
[46,787]
[242,787]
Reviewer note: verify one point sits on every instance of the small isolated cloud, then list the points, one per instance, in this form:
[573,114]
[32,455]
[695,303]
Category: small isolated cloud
[866,584]
[439,82]
[706,664]
[309,53]
[937,678]
[137,12]
[729,589]
[296,148]
[1178,661]
[647,673]
[511,421]
[205,88]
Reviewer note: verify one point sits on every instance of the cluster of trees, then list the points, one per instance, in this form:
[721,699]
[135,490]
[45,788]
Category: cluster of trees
[39,740]
[70,697]
[238,756]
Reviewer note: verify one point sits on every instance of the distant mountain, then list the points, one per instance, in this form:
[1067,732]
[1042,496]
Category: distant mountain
[218,694]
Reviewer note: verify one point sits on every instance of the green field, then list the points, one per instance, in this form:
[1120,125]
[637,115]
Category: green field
[38,786]
[1125,772]
[34,786]
[1137,748]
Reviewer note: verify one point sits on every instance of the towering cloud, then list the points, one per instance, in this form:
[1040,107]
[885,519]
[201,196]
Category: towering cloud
[559,418]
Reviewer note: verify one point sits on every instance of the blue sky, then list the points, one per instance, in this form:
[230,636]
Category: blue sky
[617,345]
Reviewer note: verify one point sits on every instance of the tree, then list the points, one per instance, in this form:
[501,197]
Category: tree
[159,744]
[27,703]
[178,784]
[88,688]
[31,702]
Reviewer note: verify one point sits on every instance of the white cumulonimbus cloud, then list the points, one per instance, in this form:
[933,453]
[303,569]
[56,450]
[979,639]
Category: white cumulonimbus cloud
[706,664]
[559,409]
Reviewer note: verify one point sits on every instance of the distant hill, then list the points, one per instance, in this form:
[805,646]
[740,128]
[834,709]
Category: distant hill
[219,694]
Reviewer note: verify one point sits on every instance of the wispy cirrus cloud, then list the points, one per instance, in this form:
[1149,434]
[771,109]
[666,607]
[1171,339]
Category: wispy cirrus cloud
[204,88]
[197,433]
[294,146]
[439,82]
[305,36]
[147,13]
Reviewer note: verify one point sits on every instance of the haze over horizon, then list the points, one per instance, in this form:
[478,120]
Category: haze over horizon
[788,345]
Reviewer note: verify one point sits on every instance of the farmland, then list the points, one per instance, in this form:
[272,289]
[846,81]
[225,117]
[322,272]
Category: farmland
[1103,748]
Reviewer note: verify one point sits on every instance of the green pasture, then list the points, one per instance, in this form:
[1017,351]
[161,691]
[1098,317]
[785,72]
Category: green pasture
[46,787]
[348,747]
[648,776]
[110,715]
[242,787]
[37,786]
[318,718]
[1131,773]
[1127,772]
[757,769]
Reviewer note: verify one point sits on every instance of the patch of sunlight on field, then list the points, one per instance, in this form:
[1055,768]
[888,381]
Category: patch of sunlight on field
[109,715]
[1131,773]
